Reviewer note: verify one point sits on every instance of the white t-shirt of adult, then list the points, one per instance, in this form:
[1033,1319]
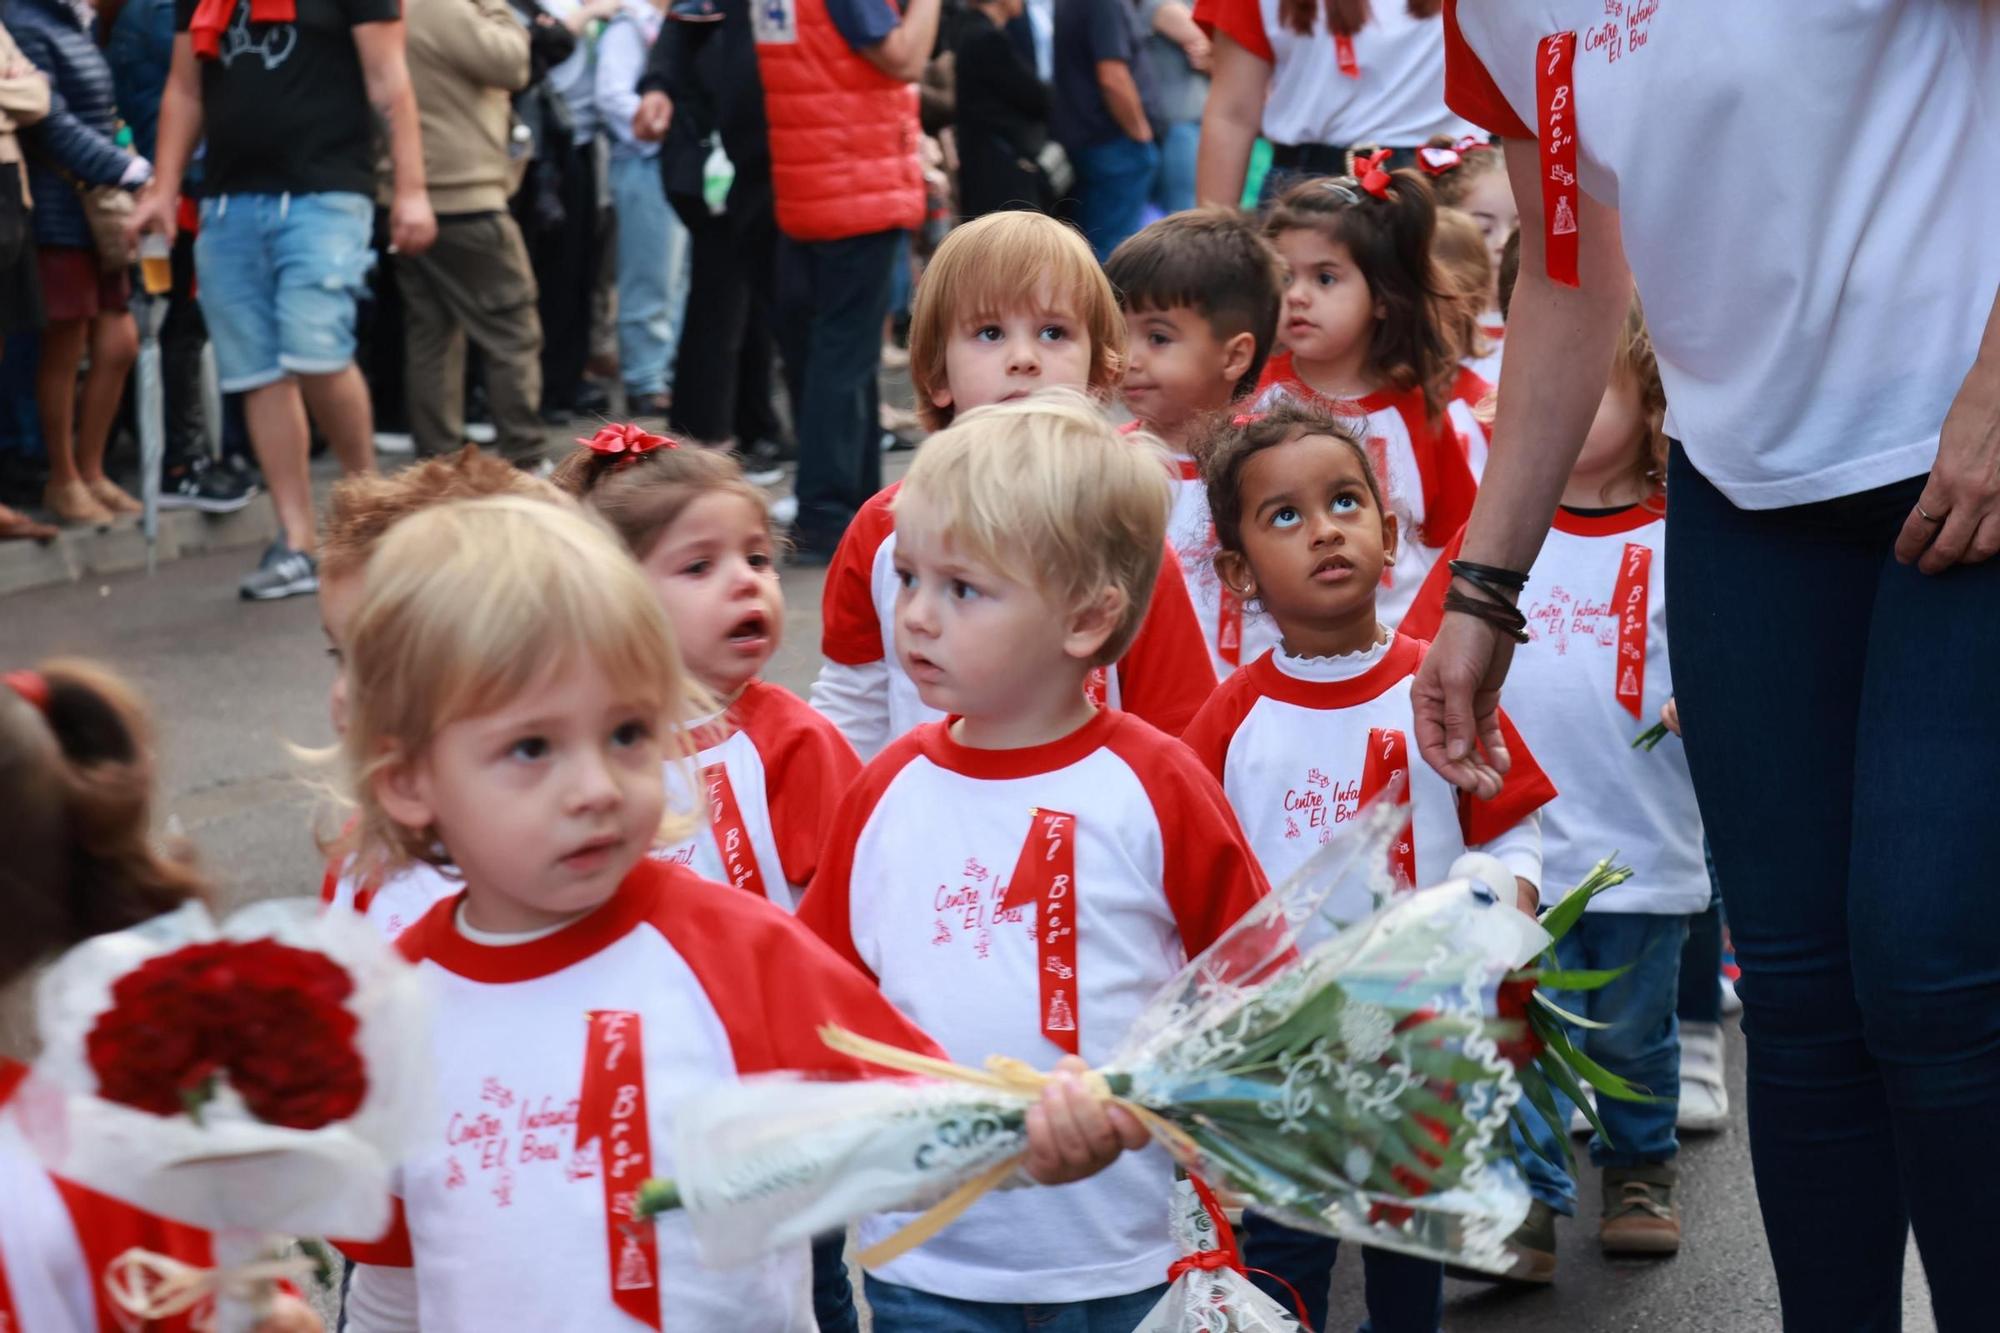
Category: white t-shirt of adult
[913,888]
[1807,200]
[1396,97]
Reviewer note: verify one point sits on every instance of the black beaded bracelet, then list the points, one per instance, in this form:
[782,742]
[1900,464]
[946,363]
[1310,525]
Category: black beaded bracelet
[1512,579]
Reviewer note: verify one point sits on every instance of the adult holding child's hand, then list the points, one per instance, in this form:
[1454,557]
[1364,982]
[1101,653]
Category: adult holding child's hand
[1806,211]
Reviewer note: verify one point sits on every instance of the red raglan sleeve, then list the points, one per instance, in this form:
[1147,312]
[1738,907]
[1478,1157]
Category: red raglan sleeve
[1421,621]
[1214,727]
[808,767]
[1210,875]
[1166,675]
[850,630]
[1242,21]
[1469,89]
[1524,790]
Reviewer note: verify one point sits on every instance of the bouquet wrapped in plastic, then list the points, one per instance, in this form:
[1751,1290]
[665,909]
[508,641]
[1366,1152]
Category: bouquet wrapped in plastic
[1207,1290]
[251,1079]
[1357,1088]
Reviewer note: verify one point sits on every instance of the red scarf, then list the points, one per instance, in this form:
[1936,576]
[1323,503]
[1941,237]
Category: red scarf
[212,16]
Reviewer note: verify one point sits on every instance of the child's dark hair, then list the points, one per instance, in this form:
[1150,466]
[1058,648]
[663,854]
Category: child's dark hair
[76,780]
[1233,445]
[1214,261]
[642,495]
[1344,18]
[1510,269]
[1390,240]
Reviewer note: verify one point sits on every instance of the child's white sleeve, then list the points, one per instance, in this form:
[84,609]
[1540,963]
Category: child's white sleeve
[381,1300]
[1520,850]
[855,699]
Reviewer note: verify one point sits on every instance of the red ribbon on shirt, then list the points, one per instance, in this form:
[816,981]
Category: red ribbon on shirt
[1389,759]
[1635,572]
[1343,54]
[732,839]
[1555,98]
[1045,877]
[612,1109]
[212,16]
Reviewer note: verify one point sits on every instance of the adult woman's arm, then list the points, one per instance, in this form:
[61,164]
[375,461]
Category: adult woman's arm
[1962,496]
[1559,345]
[1230,119]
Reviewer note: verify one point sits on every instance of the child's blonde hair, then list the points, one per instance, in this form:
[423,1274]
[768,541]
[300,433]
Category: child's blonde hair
[1046,491]
[466,606]
[999,261]
[1634,358]
[368,504]
[1465,270]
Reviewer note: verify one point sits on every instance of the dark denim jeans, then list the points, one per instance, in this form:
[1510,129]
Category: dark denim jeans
[1113,182]
[1405,1294]
[899,1309]
[1842,722]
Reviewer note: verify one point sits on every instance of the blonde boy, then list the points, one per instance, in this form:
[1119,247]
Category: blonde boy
[1012,304]
[1020,878]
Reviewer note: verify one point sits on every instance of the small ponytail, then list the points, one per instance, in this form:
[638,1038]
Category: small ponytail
[76,778]
[1344,18]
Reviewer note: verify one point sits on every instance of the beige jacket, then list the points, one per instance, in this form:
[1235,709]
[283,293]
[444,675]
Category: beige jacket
[465,57]
[24,99]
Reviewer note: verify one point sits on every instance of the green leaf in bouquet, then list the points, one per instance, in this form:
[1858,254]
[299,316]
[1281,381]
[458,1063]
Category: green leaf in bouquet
[1588,1024]
[1536,1088]
[1600,1078]
[1572,978]
[1564,914]
[1651,736]
[1564,1079]
[654,1198]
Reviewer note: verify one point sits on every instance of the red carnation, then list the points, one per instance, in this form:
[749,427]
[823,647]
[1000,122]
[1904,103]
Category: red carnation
[1513,1005]
[270,1018]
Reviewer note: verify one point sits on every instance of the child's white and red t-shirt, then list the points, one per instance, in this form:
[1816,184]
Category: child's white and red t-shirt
[1593,675]
[1469,392]
[1301,744]
[392,904]
[57,1240]
[1029,903]
[769,771]
[558,1063]
[1235,633]
[1427,480]
[1163,677]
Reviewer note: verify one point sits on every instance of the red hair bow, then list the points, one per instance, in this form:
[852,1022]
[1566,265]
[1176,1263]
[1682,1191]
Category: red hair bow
[31,686]
[627,439]
[1371,175]
[1436,161]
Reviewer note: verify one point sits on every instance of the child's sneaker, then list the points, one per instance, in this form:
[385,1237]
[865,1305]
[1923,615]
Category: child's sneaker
[1640,1216]
[1704,1106]
[1532,1248]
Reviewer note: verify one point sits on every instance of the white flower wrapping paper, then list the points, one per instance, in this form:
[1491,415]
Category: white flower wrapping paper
[230,1172]
[1210,1300]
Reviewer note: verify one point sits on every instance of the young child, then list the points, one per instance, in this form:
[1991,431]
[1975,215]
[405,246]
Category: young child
[1201,292]
[513,691]
[1471,176]
[1593,675]
[362,509]
[1364,337]
[1019,879]
[76,780]
[1305,735]
[768,767]
[1011,303]
[1466,267]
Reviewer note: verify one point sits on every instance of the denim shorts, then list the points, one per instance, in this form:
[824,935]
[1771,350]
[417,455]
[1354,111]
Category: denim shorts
[278,276]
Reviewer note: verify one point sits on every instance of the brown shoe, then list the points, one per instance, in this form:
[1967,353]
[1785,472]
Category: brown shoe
[1531,1252]
[1640,1216]
[74,505]
[113,497]
[17,526]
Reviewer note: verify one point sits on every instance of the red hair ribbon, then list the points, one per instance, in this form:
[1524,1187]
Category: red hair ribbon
[1436,160]
[30,685]
[626,439]
[1371,175]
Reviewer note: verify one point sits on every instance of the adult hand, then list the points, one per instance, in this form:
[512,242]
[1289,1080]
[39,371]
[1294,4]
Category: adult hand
[289,1314]
[1072,1134]
[1456,698]
[155,210]
[1199,51]
[1962,497]
[412,225]
[1670,716]
[655,114]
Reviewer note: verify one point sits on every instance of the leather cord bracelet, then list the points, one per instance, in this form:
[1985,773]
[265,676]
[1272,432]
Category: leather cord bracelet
[1505,617]
[1511,579]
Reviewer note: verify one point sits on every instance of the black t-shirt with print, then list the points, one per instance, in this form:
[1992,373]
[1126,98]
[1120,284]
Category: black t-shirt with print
[284,106]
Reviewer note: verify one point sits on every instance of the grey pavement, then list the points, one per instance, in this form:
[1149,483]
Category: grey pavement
[238,688]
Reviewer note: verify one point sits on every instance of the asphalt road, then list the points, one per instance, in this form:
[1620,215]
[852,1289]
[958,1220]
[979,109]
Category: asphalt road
[237,688]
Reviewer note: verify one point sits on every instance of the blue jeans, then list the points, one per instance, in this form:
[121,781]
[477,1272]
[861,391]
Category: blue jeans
[1113,180]
[1842,727]
[278,276]
[900,1309]
[652,275]
[1173,179]
[1405,1294]
[833,1290]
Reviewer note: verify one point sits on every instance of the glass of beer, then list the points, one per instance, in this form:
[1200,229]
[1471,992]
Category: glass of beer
[156,267]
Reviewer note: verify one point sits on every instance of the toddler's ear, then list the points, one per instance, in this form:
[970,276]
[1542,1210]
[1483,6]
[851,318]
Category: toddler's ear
[1389,536]
[1236,574]
[1237,354]
[1093,623]
[403,790]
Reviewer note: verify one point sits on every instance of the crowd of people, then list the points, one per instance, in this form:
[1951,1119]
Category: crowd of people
[1220,531]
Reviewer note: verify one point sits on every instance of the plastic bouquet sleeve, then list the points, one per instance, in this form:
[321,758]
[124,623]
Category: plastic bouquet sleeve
[1207,1289]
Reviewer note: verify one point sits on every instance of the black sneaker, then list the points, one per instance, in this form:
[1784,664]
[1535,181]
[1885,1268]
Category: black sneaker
[210,489]
[762,463]
[282,572]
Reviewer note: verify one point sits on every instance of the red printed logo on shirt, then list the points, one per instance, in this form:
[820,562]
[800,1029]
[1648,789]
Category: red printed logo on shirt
[612,1111]
[1555,100]
[1635,571]
[1388,760]
[732,839]
[1045,877]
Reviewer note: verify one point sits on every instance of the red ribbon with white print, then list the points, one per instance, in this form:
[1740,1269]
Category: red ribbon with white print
[1555,98]
[1343,55]
[1389,759]
[1635,572]
[1045,877]
[732,838]
[612,1109]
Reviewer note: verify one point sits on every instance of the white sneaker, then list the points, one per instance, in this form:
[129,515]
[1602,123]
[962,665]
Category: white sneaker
[784,511]
[1579,1123]
[1704,1107]
[394,442]
[481,433]
[1732,1005]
